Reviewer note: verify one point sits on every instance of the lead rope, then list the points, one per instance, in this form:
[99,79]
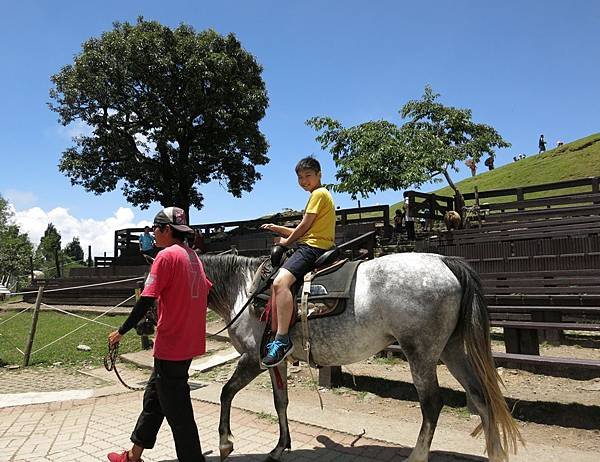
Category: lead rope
[305,334]
[110,363]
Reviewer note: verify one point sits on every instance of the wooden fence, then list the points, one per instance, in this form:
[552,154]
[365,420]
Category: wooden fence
[248,239]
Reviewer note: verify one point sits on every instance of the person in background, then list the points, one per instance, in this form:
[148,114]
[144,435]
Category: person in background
[409,220]
[541,144]
[146,241]
[179,285]
[198,243]
[398,222]
[471,164]
[489,163]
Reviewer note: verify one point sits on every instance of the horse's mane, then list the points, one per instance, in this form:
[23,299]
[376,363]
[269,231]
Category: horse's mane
[229,275]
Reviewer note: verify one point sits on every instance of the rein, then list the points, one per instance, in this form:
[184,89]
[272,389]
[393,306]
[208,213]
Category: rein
[110,363]
[251,297]
[113,351]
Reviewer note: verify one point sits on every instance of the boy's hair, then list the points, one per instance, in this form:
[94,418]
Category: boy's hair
[308,163]
[180,236]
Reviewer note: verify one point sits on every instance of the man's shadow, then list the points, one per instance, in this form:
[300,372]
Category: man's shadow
[355,451]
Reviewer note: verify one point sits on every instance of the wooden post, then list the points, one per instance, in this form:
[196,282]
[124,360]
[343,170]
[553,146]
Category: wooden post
[90,261]
[330,376]
[34,320]
[520,197]
[477,206]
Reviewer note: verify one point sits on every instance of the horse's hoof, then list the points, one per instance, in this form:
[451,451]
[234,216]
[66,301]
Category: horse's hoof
[225,450]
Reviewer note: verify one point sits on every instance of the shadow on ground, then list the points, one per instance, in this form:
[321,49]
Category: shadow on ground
[574,415]
[332,451]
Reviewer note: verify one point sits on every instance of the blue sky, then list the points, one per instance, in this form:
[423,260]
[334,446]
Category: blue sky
[523,67]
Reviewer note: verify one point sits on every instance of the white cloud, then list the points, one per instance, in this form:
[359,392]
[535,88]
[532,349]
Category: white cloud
[97,233]
[20,199]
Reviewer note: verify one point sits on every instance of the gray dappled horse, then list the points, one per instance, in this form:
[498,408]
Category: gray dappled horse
[432,305]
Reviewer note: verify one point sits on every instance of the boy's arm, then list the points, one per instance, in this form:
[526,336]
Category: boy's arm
[281,230]
[307,221]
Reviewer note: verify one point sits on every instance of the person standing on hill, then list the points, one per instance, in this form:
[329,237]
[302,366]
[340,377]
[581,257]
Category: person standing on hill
[542,144]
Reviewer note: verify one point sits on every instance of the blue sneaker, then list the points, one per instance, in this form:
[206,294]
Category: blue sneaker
[277,351]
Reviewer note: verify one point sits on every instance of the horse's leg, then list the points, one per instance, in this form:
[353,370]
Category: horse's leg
[280,397]
[424,374]
[456,361]
[247,369]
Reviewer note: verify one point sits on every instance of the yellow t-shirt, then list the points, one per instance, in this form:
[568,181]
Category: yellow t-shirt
[322,232]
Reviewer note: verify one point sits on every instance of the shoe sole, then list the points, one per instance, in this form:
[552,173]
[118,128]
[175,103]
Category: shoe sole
[270,366]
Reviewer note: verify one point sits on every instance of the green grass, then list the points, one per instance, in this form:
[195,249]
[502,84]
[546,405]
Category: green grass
[266,416]
[15,332]
[579,159]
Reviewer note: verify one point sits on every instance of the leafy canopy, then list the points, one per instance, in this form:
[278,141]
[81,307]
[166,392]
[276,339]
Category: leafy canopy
[167,110]
[15,247]
[380,155]
[74,251]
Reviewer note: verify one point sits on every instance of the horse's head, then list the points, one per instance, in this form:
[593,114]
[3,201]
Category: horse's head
[231,276]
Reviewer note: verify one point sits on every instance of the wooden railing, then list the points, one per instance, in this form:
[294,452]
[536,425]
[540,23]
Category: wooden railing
[248,239]
[428,205]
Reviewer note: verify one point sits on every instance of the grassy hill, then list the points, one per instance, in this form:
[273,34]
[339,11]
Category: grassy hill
[579,159]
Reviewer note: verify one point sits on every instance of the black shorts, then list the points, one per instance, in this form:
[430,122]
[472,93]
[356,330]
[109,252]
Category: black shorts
[302,260]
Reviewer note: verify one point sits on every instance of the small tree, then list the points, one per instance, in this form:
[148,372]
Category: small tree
[48,251]
[74,251]
[380,155]
[167,109]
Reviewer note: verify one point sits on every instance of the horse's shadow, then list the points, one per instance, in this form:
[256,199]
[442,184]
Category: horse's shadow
[333,451]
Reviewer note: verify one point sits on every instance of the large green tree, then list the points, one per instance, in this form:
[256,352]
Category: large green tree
[380,155]
[167,111]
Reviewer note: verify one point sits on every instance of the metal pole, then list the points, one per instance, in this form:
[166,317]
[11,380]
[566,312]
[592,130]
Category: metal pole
[34,320]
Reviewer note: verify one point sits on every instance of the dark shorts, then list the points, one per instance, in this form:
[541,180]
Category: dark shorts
[302,260]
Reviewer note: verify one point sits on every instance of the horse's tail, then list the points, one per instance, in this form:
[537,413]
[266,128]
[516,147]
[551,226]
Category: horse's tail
[475,328]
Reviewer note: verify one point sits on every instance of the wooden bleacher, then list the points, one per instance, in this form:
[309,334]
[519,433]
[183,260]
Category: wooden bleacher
[539,262]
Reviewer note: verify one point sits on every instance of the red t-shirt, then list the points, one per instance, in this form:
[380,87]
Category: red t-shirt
[178,282]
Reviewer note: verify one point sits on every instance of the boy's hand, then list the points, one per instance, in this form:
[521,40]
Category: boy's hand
[114,338]
[267,226]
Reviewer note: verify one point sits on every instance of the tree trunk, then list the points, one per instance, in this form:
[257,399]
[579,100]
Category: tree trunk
[57,263]
[459,200]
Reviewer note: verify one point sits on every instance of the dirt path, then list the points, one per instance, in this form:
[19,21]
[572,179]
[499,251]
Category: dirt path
[559,418]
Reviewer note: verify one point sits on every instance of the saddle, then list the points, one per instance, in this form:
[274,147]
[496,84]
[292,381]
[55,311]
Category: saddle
[330,285]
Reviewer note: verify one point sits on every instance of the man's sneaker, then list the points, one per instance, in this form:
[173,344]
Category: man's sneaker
[277,351]
[121,457]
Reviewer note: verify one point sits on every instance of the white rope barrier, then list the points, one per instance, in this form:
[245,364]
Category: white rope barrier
[14,316]
[78,287]
[83,325]
[77,315]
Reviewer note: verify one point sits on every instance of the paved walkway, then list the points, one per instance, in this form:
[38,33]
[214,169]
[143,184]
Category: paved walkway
[88,429]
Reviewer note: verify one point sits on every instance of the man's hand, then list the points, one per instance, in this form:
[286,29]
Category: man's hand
[267,226]
[114,338]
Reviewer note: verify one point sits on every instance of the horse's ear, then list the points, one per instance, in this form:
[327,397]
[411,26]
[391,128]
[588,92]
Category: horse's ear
[277,252]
